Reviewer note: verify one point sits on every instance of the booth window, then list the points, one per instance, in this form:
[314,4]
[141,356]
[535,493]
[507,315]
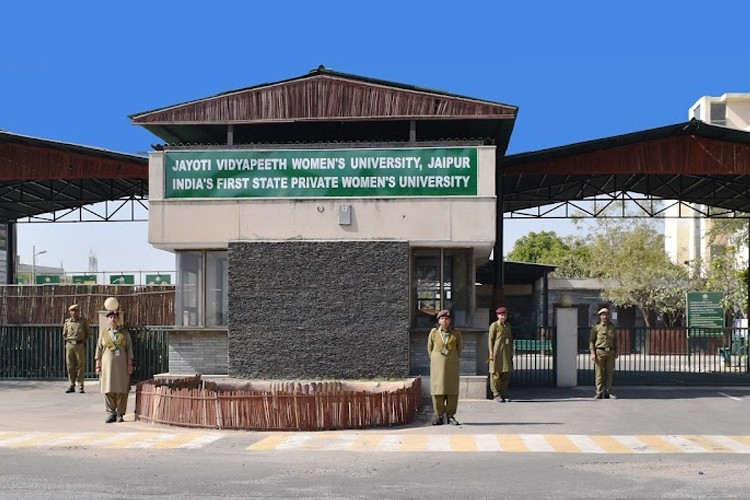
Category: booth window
[441,279]
[201,293]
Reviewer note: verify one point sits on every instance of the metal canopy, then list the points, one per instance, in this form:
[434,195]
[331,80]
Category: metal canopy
[693,162]
[39,176]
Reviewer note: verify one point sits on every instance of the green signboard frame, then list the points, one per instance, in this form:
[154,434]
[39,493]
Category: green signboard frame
[411,172]
[704,310]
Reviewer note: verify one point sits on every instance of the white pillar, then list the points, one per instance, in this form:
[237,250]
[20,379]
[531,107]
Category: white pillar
[567,347]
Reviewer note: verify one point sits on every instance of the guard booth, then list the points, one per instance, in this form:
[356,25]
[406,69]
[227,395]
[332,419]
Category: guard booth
[320,222]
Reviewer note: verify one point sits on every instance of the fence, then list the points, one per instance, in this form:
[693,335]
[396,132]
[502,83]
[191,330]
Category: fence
[276,406]
[38,352]
[48,304]
[673,356]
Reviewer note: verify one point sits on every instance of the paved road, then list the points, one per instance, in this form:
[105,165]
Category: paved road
[651,442]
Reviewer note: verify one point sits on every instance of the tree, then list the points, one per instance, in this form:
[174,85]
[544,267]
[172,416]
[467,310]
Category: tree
[727,276]
[734,229]
[569,254]
[630,257]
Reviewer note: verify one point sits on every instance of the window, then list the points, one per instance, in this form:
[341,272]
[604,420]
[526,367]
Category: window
[718,113]
[201,295]
[217,291]
[441,279]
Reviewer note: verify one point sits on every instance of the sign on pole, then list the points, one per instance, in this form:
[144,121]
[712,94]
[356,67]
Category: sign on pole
[47,279]
[158,279]
[87,279]
[704,310]
[122,279]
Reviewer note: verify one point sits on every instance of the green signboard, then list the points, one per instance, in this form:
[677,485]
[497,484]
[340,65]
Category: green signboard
[321,173]
[89,279]
[23,279]
[704,310]
[122,279]
[47,279]
[158,279]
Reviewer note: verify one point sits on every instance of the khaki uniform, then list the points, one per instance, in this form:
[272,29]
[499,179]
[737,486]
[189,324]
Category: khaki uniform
[500,345]
[76,333]
[115,354]
[444,369]
[603,343]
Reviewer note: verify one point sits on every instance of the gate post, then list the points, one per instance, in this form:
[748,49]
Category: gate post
[567,347]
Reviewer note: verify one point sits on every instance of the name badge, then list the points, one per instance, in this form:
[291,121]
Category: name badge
[444,351]
[117,352]
[507,341]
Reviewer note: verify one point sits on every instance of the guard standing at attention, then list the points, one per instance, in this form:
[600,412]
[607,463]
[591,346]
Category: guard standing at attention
[76,332]
[444,346]
[114,365]
[500,346]
[603,347]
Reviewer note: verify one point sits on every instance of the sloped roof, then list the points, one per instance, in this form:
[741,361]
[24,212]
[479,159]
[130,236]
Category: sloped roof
[326,96]
[39,176]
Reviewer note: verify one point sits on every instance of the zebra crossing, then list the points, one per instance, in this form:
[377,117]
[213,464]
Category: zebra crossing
[389,442]
[509,443]
[134,440]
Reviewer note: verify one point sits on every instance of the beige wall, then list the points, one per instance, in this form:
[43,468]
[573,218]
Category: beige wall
[213,223]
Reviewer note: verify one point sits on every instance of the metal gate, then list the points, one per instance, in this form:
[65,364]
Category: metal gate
[38,352]
[673,356]
[534,356]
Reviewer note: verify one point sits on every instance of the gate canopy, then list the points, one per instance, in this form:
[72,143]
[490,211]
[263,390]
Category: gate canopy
[693,162]
[39,176]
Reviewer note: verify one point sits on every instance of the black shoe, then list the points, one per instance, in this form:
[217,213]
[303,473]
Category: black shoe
[452,420]
[437,421]
[111,418]
[70,389]
[118,418]
[82,391]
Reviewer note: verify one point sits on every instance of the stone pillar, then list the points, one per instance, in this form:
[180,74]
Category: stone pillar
[567,347]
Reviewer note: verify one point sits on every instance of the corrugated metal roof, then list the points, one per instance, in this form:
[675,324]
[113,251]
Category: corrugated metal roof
[40,176]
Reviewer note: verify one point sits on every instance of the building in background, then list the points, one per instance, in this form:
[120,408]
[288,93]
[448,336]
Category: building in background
[686,229]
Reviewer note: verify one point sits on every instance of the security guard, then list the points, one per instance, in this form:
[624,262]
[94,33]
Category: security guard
[75,332]
[603,347]
[500,346]
[444,346]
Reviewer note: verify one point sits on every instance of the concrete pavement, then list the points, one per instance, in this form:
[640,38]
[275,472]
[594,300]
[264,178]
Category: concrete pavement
[43,406]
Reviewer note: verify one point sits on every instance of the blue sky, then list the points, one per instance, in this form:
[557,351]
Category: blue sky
[578,70]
